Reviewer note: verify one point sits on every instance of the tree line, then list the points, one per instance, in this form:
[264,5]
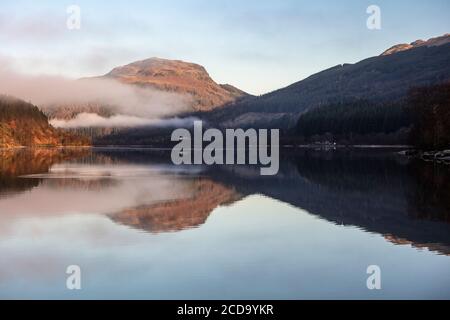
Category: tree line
[12,109]
[430,107]
[421,119]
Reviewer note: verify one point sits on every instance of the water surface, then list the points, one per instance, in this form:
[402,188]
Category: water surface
[142,228]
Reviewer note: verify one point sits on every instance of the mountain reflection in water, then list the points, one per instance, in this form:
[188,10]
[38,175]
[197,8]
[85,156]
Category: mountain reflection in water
[377,191]
[140,227]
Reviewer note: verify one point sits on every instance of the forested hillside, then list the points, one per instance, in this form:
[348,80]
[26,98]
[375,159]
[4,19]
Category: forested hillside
[380,79]
[422,119]
[431,110]
[23,124]
[357,121]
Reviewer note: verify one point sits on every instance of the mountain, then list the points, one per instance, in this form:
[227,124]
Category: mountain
[365,102]
[23,124]
[173,76]
[385,78]
[180,77]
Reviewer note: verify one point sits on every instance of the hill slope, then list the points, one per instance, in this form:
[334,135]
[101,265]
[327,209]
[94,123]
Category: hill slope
[23,124]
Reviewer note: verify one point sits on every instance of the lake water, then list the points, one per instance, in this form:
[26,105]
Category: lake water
[142,228]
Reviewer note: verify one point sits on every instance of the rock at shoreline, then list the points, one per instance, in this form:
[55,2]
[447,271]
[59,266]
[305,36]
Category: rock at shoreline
[441,156]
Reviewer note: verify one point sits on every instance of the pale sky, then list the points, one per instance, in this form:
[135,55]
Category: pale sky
[256,45]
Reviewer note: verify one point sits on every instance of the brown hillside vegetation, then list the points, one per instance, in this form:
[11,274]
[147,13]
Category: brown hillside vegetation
[180,77]
[23,124]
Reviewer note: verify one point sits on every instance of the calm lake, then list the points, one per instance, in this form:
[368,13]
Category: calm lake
[142,228]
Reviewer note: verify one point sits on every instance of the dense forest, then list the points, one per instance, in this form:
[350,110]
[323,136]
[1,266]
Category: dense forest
[422,119]
[431,109]
[356,121]
[23,124]
[12,109]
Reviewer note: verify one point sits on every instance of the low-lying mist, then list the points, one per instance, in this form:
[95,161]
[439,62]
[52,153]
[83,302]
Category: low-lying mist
[84,120]
[131,105]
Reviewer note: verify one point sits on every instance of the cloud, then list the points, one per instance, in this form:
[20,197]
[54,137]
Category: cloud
[41,26]
[128,102]
[83,120]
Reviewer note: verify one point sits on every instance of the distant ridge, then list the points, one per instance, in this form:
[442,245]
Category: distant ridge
[438,41]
